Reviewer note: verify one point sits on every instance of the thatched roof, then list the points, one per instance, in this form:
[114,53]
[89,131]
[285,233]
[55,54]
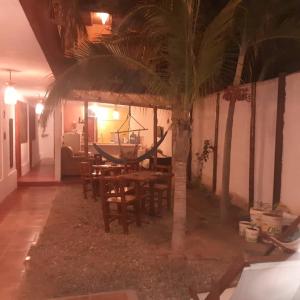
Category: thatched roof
[141,100]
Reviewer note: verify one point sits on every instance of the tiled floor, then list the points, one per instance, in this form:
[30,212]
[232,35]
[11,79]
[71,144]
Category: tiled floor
[22,217]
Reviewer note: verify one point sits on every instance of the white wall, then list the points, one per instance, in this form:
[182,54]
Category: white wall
[240,151]
[290,193]
[46,139]
[164,118]
[8,176]
[145,117]
[266,110]
[204,115]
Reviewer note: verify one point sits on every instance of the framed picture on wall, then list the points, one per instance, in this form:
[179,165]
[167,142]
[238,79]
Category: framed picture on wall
[11,142]
[23,122]
[32,124]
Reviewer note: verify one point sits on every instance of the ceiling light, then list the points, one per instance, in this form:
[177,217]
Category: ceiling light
[102,113]
[116,114]
[10,93]
[103,17]
[39,108]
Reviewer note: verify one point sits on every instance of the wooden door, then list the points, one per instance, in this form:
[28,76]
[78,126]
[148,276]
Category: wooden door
[17,139]
[92,129]
[31,133]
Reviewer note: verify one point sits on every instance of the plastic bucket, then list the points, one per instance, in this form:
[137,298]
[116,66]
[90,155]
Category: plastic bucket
[251,234]
[242,226]
[271,224]
[256,215]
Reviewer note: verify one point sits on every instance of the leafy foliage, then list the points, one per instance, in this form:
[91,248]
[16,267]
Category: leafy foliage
[266,25]
[164,49]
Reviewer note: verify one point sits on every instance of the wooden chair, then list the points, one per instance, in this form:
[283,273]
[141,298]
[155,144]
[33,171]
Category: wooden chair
[113,195]
[98,160]
[87,178]
[131,167]
[163,188]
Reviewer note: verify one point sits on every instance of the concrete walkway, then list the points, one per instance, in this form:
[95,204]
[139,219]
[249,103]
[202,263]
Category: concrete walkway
[22,217]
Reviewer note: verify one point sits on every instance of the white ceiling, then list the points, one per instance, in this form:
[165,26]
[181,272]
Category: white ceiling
[20,50]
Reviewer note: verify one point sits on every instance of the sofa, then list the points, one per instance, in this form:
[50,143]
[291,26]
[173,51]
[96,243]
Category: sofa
[70,161]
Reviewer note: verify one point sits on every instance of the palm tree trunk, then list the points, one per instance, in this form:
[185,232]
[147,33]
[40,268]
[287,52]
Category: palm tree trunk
[225,199]
[182,139]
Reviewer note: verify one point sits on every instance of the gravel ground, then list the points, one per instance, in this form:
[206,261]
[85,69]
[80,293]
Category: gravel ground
[74,256]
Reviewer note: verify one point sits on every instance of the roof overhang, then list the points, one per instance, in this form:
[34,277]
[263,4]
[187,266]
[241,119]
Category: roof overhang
[140,100]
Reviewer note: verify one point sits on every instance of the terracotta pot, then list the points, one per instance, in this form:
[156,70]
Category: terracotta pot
[271,224]
[242,226]
[255,215]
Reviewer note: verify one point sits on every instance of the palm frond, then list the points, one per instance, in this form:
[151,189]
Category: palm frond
[210,56]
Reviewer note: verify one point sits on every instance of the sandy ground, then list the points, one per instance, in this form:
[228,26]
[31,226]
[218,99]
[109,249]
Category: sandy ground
[74,256]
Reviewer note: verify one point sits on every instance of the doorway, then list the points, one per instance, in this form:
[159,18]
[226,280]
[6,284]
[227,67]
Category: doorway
[32,135]
[92,129]
[17,140]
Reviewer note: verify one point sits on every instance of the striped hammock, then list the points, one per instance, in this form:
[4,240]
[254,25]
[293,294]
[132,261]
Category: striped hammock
[117,160]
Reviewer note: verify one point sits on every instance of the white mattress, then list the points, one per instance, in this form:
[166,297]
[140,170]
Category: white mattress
[266,281]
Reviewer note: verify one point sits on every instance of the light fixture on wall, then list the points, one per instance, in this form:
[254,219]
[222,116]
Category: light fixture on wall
[39,108]
[10,93]
[101,113]
[103,16]
[116,113]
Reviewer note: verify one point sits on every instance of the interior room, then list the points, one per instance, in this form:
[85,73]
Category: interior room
[114,128]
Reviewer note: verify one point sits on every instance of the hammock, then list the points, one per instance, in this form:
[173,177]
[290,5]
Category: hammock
[133,154]
[116,160]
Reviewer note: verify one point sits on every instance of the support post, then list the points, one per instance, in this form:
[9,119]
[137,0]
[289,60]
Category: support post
[216,140]
[279,138]
[189,161]
[155,136]
[86,129]
[252,145]
[57,121]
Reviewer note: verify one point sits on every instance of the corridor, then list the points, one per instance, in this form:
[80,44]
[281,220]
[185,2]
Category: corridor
[22,217]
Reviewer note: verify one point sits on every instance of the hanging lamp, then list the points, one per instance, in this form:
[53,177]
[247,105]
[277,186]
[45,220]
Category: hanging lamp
[116,114]
[10,93]
[39,108]
[103,17]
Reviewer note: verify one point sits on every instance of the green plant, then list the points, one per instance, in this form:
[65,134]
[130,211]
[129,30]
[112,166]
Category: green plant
[204,156]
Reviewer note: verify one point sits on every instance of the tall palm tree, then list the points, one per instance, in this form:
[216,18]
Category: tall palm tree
[175,54]
[258,23]
[66,15]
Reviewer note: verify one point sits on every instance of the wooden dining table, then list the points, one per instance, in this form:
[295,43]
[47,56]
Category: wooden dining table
[106,169]
[143,177]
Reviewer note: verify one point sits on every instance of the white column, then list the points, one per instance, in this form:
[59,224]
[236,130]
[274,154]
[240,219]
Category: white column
[57,141]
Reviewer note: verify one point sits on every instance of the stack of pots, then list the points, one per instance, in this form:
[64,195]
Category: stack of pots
[269,222]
